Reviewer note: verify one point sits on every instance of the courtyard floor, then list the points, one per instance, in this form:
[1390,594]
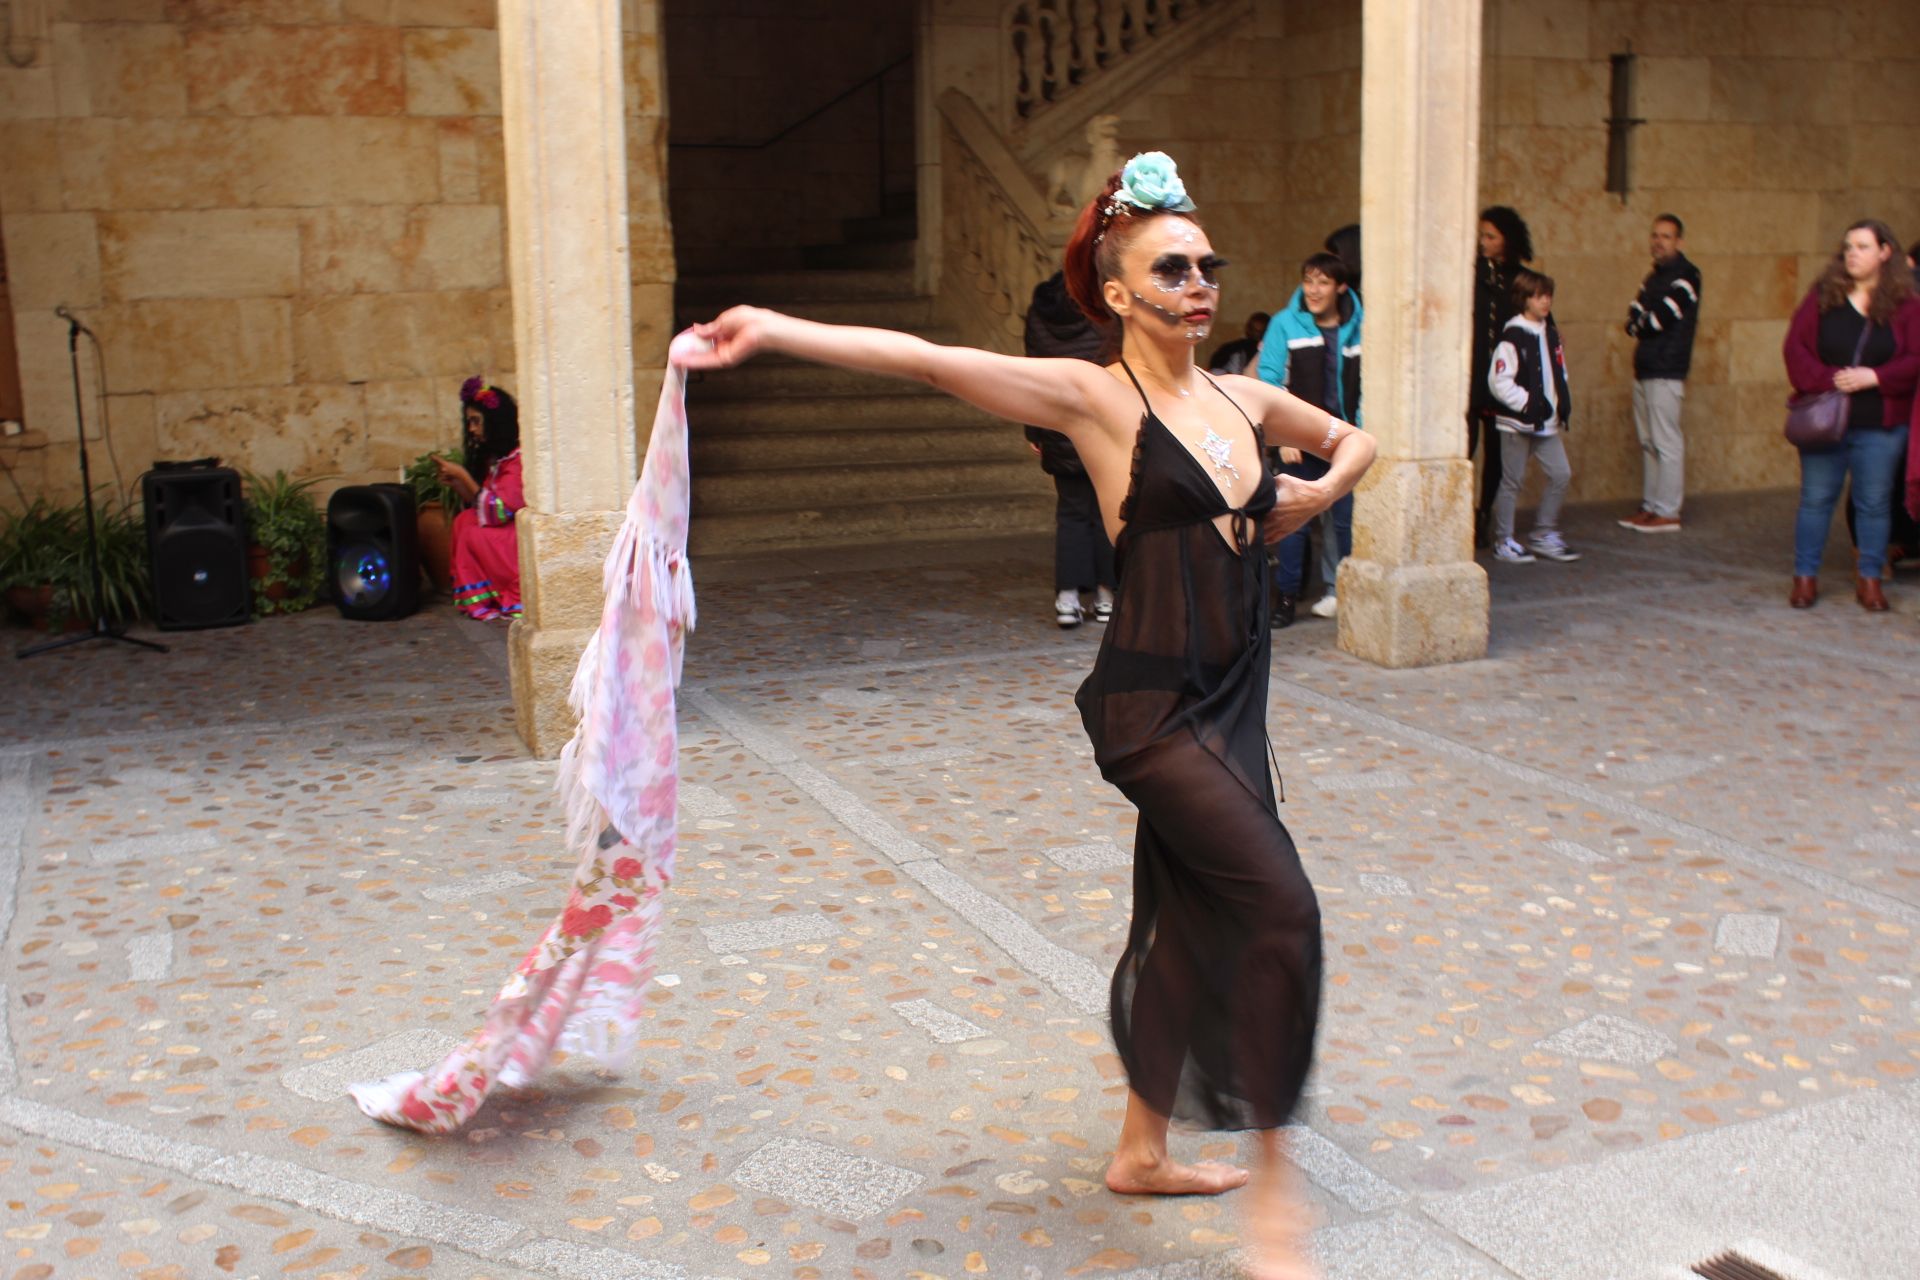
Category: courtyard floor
[1620,934]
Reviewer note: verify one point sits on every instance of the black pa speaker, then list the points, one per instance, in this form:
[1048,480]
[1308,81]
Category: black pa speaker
[196,546]
[373,551]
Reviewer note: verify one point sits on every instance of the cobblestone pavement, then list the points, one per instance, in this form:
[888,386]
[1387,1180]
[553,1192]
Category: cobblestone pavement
[1621,937]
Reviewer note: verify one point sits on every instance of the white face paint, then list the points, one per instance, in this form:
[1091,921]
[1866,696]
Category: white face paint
[1176,261]
[1193,332]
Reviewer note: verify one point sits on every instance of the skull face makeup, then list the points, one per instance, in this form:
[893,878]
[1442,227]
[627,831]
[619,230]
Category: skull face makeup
[1171,271]
[1198,327]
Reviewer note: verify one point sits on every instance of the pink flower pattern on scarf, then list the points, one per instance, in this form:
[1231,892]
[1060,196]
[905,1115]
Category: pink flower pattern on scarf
[580,988]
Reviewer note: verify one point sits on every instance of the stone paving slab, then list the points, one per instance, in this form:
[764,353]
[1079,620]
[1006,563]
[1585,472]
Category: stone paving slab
[1837,1181]
[1638,882]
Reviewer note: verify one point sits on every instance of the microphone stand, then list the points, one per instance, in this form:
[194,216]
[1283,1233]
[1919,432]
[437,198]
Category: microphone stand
[100,629]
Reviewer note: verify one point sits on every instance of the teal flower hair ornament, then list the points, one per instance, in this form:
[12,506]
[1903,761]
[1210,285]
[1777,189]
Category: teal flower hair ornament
[1152,182]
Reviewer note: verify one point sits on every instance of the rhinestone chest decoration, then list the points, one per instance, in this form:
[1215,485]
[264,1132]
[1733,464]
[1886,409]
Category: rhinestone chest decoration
[1220,449]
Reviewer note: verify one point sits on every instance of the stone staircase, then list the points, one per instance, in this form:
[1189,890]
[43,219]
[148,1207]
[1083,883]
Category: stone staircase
[790,455]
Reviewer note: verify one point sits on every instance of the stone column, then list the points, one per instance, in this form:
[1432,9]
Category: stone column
[1411,594]
[564,109]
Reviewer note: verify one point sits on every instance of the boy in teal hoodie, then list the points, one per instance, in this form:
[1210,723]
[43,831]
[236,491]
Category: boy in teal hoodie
[1312,348]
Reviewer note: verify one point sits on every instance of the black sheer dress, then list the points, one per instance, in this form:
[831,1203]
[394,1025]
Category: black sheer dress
[1217,996]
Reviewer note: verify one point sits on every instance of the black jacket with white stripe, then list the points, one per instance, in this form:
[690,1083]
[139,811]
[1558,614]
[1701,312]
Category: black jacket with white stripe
[1663,317]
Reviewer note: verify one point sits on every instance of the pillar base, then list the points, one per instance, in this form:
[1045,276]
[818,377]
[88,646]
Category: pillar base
[542,664]
[1411,594]
[1413,615]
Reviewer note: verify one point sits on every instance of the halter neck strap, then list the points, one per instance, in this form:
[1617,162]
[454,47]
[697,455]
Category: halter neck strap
[1145,403]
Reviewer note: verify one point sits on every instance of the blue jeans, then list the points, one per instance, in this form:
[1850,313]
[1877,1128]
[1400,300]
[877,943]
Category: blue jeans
[1290,570]
[1870,454]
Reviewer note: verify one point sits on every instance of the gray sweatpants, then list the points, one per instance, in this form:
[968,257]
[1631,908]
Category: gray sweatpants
[1551,453]
[1663,451]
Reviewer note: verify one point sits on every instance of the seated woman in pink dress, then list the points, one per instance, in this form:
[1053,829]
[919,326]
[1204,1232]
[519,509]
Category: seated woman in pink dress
[486,546]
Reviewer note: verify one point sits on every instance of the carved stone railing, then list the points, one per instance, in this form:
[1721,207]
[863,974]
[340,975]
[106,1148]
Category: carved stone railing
[999,238]
[1055,47]
[1041,129]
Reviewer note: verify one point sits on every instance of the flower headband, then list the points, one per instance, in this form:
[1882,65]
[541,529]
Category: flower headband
[1150,183]
[476,391]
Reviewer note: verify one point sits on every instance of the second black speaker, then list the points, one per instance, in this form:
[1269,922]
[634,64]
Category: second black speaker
[373,552]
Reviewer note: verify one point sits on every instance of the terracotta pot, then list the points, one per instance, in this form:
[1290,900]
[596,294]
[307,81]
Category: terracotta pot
[257,568]
[35,604]
[436,545]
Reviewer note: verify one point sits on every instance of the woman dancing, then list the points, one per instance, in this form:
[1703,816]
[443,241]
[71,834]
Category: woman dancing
[1217,995]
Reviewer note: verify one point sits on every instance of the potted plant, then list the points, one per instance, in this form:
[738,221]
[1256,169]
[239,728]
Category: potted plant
[126,576]
[36,549]
[435,503]
[289,543]
[45,573]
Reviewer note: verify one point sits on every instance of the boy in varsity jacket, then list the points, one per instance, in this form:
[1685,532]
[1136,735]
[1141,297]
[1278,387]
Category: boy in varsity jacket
[1528,378]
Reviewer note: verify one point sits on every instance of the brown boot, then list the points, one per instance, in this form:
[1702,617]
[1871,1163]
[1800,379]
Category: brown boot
[1805,592]
[1867,591]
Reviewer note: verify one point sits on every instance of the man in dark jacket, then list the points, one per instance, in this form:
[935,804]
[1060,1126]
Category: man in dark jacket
[1082,556]
[1661,322]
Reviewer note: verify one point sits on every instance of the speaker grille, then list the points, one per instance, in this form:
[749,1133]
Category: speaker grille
[362,574]
[194,572]
[197,548]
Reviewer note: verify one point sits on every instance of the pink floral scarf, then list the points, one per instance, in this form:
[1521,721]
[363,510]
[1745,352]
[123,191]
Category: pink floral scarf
[579,989]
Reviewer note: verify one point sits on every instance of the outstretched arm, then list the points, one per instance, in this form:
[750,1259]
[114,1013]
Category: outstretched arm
[1064,395]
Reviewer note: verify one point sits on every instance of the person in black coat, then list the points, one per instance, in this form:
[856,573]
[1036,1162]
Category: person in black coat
[1505,243]
[1082,556]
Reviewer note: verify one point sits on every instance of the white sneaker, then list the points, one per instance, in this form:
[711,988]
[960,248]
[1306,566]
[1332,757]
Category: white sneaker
[1511,552]
[1067,611]
[1325,606]
[1551,545]
[1103,606]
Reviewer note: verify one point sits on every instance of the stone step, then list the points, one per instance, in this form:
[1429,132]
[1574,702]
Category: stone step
[704,260]
[912,407]
[773,287]
[761,378]
[747,451]
[859,483]
[938,333]
[859,254]
[911,312]
[896,226]
[921,519]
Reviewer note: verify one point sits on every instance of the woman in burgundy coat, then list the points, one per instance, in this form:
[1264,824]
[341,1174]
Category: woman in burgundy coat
[1863,303]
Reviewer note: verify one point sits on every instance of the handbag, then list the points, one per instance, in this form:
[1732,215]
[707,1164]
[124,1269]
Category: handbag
[1819,421]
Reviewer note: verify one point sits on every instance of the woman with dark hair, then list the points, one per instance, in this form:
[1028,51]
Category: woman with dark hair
[1856,331]
[1504,243]
[1217,994]
[486,549]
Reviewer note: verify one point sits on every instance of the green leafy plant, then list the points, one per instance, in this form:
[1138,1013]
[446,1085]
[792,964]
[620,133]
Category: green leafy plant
[126,579]
[36,543]
[283,520]
[423,477]
[45,545]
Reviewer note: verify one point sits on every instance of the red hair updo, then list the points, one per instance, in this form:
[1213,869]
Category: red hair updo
[1101,235]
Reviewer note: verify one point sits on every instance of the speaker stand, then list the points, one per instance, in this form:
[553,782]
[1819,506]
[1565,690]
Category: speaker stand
[100,630]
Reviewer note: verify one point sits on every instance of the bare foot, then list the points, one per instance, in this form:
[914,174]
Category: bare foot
[1129,1176]
[1279,1225]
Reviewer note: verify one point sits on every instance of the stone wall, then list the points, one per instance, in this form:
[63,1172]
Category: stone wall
[742,71]
[1769,128]
[1221,109]
[283,219]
